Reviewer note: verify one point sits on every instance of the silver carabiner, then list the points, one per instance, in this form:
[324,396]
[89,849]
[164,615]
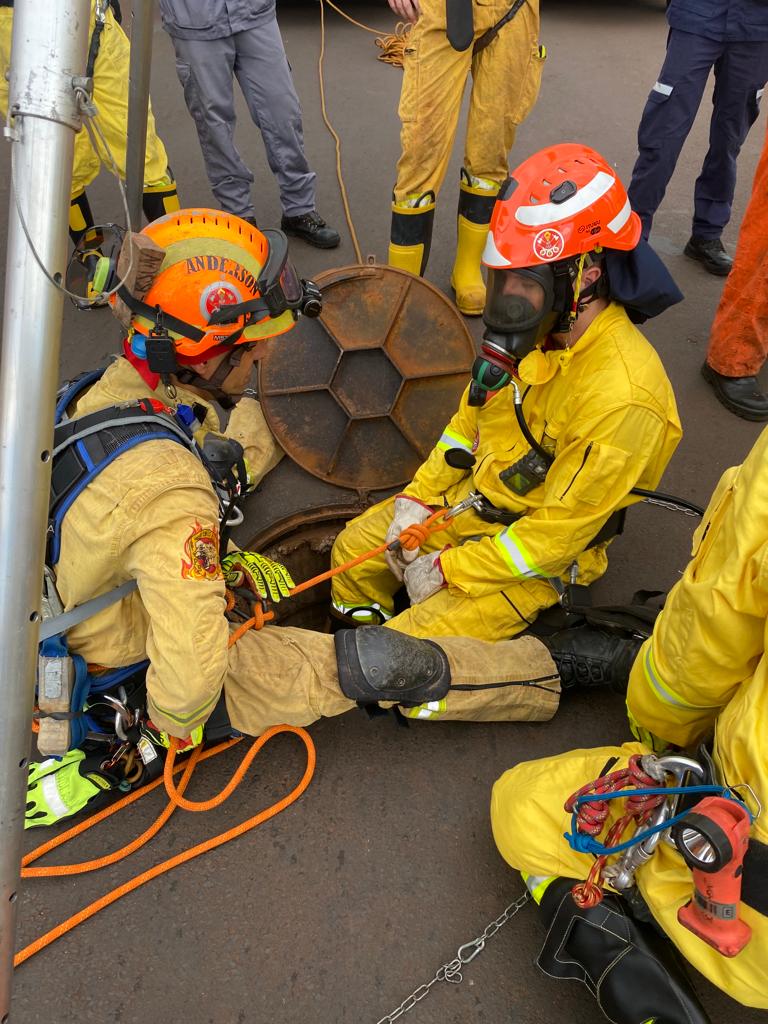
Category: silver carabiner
[478,948]
[472,500]
[123,714]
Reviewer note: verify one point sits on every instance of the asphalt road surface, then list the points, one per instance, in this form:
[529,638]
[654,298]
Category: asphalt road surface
[341,906]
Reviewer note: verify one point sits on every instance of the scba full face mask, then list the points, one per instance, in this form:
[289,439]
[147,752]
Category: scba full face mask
[522,307]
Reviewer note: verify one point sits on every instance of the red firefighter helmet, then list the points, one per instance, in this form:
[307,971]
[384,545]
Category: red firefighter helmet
[559,203]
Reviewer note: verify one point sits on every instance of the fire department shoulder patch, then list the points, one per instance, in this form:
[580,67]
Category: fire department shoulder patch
[201,550]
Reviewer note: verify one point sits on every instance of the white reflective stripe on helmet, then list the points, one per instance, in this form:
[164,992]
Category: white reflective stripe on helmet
[542,214]
[50,789]
[620,219]
[491,256]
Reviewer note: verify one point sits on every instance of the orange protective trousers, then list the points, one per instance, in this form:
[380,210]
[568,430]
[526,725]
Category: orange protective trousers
[738,343]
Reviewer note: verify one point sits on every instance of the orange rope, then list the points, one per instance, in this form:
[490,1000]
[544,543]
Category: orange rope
[181,858]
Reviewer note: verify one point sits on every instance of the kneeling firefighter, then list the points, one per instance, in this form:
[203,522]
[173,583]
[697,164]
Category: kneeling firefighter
[545,465]
[144,486]
[107,65]
[699,684]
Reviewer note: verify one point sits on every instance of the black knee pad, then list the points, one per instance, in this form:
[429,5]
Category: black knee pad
[376,664]
[634,972]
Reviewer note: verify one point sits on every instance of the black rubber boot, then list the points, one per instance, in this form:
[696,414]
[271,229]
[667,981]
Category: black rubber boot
[588,657]
[634,972]
[311,228]
[710,252]
[740,395]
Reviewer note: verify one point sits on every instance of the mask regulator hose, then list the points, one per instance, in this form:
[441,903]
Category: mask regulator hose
[654,497]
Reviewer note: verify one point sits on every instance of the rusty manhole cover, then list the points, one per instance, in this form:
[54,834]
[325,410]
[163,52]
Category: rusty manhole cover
[359,396]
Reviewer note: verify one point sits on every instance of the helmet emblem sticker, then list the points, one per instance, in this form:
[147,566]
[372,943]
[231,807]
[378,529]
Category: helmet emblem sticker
[548,244]
[216,295]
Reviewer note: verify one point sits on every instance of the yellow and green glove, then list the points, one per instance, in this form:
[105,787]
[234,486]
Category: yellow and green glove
[60,787]
[267,579]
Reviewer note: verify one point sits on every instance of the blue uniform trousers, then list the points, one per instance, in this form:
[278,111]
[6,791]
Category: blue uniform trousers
[741,71]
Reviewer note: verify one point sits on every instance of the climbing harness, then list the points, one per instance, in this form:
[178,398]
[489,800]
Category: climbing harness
[650,803]
[452,970]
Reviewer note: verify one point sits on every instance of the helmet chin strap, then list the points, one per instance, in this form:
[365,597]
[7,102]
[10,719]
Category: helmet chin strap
[213,385]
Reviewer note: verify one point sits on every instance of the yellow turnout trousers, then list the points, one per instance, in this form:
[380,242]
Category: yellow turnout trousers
[505,83]
[110,93]
[528,821]
[495,616]
[284,674]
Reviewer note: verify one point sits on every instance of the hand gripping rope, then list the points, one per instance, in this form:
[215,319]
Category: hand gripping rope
[411,538]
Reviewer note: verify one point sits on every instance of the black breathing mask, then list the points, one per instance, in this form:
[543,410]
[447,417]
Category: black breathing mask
[522,307]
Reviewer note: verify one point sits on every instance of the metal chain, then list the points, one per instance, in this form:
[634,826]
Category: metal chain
[452,971]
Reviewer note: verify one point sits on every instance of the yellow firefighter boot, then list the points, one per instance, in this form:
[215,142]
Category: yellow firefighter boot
[477,197]
[411,232]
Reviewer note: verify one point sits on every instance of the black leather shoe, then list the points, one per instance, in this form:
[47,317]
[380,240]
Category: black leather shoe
[740,395]
[710,252]
[587,657]
[251,221]
[311,228]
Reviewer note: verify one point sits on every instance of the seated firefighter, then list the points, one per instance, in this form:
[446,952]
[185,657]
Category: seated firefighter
[143,486]
[552,459]
[700,684]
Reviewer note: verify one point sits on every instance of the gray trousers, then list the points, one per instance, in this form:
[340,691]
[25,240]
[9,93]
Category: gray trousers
[257,59]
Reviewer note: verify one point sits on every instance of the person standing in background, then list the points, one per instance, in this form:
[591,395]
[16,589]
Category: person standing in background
[216,40]
[497,43]
[730,36]
[738,343]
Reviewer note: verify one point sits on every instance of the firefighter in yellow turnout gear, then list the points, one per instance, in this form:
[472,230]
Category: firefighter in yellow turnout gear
[704,670]
[505,76]
[109,52]
[595,398]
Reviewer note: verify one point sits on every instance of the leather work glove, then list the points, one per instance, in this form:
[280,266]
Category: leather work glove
[59,788]
[267,579]
[424,577]
[407,512]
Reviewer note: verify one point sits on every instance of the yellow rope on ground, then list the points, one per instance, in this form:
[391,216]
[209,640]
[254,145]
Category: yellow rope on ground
[392,47]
